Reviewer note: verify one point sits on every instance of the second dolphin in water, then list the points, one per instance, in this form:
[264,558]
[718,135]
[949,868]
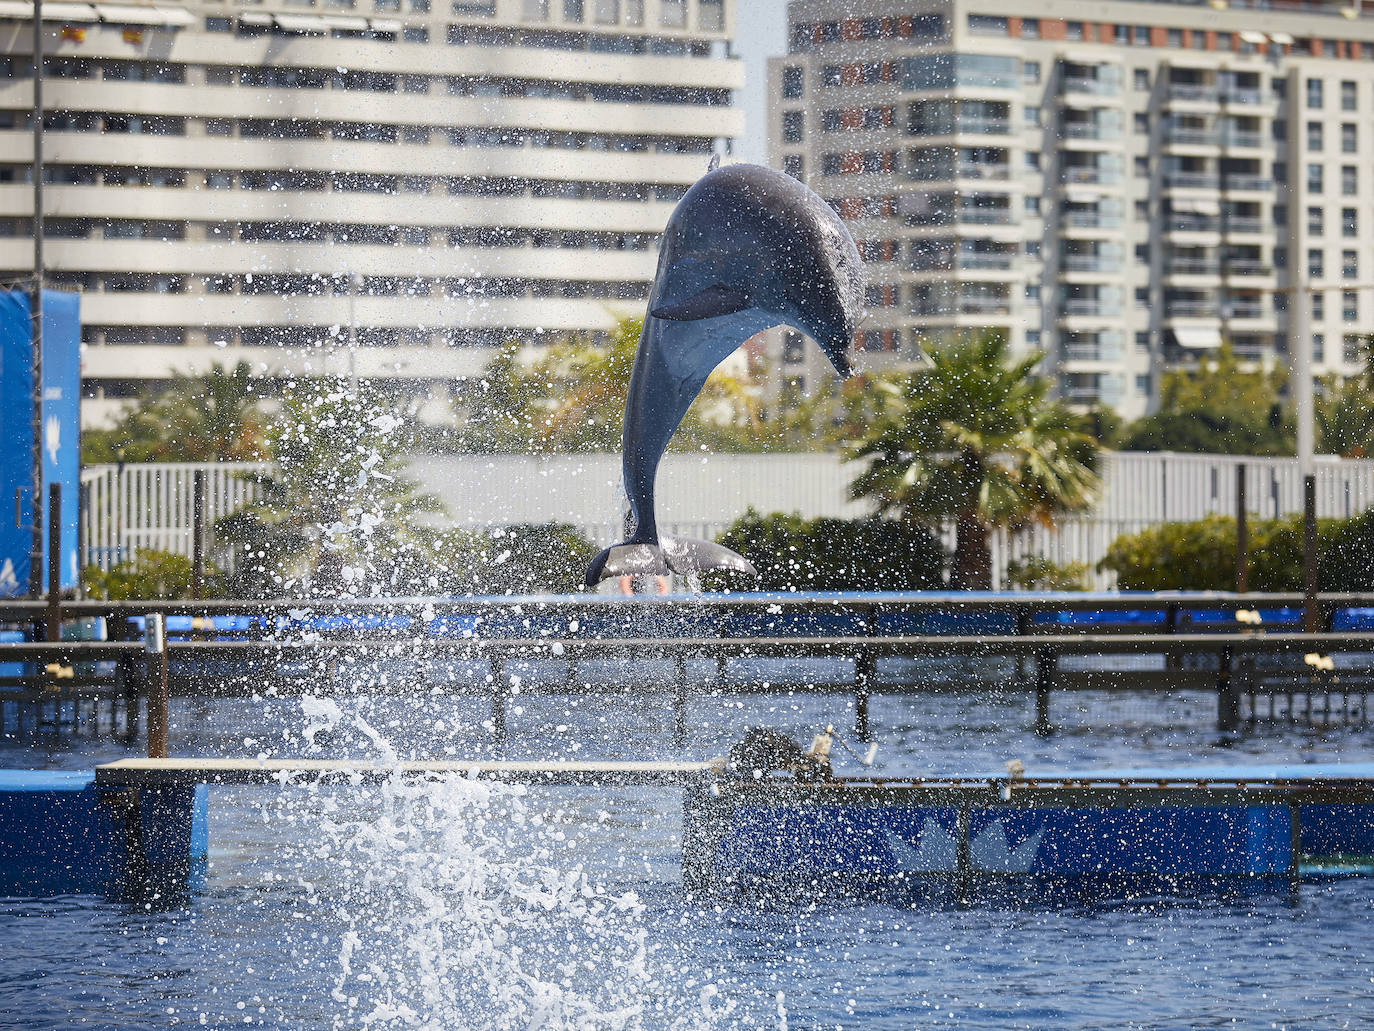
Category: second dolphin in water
[747,248]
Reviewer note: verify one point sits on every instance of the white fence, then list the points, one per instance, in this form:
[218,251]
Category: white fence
[150,506]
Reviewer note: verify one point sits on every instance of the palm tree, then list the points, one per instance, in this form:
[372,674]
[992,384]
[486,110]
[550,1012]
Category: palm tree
[973,437]
[213,417]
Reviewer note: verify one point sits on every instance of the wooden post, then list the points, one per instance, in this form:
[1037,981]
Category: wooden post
[198,534]
[1242,534]
[54,617]
[83,550]
[1044,682]
[1228,698]
[864,665]
[155,655]
[1311,616]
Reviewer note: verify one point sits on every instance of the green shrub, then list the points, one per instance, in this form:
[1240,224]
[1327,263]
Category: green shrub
[149,574]
[528,558]
[796,554]
[1346,562]
[1201,555]
[1040,574]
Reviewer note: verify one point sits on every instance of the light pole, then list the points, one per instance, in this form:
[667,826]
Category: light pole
[36,309]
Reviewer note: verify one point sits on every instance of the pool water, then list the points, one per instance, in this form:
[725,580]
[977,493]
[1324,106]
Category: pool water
[457,905]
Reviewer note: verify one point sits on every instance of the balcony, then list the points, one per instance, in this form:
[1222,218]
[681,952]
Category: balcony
[985,260]
[1253,183]
[1190,309]
[1193,93]
[1241,138]
[1091,220]
[1245,224]
[970,126]
[1243,311]
[1090,174]
[987,216]
[1248,97]
[1192,224]
[1192,267]
[1090,131]
[968,170]
[1090,263]
[1090,306]
[1191,180]
[1091,352]
[1193,137]
[984,306]
[1084,84]
[1248,267]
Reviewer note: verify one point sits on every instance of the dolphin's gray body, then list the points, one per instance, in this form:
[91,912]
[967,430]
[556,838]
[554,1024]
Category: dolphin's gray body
[746,249]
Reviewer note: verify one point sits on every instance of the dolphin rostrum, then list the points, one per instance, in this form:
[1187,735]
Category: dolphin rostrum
[747,248]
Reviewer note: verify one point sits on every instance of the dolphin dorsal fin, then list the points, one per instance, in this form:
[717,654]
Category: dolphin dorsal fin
[715,300]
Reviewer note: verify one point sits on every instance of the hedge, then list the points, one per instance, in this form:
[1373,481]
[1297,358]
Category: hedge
[1201,555]
[796,554]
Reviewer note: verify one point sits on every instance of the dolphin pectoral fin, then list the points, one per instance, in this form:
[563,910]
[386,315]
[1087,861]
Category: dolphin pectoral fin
[688,555]
[704,304]
[627,560]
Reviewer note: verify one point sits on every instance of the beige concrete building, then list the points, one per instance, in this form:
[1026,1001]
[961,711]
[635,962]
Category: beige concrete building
[1121,185]
[379,187]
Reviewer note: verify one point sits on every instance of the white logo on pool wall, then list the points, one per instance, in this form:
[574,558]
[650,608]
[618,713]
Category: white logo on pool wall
[52,437]
[938,850]
[9,583]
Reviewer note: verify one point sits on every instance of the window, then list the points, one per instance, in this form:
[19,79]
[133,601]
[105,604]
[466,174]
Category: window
[1314,221]
[1318,306]
[1348,100]
[217,25]
[1142,78]
[1350,139]
[1350,349]
[987,25]
[1033,292]
[1142,167]
[1280,257]
[792,126]
[1350,180]
[1279,130]
[1032,115]
[1122,35]
[415,34]
[792,82]
[795,166]
[1314,136]
[1030,71]
[1318,347]
[1032,204]
[1032,161]
[1030,28]
[1279,170]
[1073,30]
[1142,341]
[1142,122]
[1314,94]
[1142,36]
[1314,263]
[1350,222]
[1350,264]
[1175,39]
[1142,384]
[1142,296]
[672,14]
[1314,178]
[1142,253]
[1142,211]
[1032,248]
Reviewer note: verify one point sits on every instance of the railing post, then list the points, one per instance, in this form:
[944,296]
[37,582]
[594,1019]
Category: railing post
[54,617]
[155,653]
[864,668]
[498,698]
[680,700]
[198,534]
[1228,697]
[1045,663]
[1242,534]
[1311,614]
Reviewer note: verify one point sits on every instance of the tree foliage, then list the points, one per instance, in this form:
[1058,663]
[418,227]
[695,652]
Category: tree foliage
[974,437]
[214,417]
[1222,406]
[148,574]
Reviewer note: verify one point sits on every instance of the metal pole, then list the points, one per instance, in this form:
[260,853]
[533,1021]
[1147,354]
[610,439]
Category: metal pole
[1301,344]
[1242,534]
[198,534]
[1311,617]
[54,618]
[155,654]
[36,306]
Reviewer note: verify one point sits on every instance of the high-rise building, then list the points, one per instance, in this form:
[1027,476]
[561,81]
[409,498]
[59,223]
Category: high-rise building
[378,187]
[1123,186]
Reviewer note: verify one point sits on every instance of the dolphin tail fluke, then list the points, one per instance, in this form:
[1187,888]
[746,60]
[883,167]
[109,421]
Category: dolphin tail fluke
[683,555]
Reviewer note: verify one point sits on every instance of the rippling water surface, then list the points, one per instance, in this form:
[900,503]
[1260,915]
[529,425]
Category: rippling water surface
[459,905]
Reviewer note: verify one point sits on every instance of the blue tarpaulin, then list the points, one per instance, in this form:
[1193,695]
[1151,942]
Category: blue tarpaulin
[61,429]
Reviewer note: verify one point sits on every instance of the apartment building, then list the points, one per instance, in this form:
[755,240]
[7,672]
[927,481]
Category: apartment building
[1123,186]
[383,188]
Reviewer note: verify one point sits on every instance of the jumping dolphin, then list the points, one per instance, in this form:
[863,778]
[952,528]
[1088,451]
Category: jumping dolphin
[747,248]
